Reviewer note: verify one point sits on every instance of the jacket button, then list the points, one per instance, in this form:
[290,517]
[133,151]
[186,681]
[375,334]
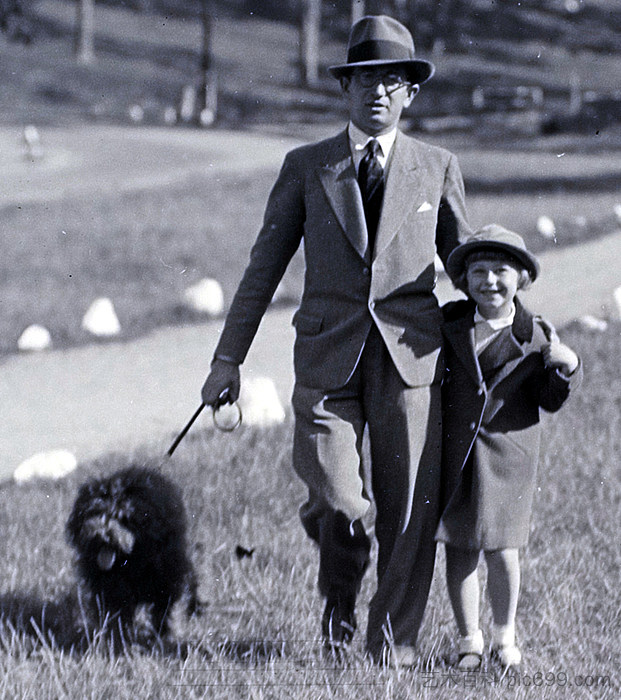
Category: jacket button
[365,271]
[480,392]
[473,425]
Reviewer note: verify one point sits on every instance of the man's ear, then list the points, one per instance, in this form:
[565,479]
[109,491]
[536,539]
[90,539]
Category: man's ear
[345,80]
[413,90]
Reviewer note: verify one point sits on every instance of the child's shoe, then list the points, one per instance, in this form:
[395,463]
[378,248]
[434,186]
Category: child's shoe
[469,652]
[508,656]
[504,649]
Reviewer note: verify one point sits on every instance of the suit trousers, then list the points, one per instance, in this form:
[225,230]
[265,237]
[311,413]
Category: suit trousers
[404,429]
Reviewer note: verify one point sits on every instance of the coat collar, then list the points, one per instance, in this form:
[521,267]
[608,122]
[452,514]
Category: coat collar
[459,330]
[404,177]
[338,178]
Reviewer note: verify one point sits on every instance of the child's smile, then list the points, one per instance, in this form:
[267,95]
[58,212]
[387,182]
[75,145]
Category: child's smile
[493,285]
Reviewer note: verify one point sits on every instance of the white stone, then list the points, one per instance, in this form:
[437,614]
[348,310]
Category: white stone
[206,297]
[207,117]
[101,318]
[170,115]
[54,464]
[136,113]
[32,142]
[617,297]
[34,338]
[590,323]
[187,108]
[259,402]
[546,227]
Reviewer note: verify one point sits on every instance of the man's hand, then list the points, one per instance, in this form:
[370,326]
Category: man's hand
[560,356]
[224,377]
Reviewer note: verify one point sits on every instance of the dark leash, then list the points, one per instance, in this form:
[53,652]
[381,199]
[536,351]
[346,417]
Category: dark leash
[226,428]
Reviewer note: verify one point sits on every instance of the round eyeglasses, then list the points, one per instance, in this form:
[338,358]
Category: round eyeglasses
[390,80]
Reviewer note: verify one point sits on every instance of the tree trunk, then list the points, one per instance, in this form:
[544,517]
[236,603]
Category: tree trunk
[309,42]
[209,78]
[85,36]
[357,10]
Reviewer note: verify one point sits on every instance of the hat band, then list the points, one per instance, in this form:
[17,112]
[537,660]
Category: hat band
[378,51]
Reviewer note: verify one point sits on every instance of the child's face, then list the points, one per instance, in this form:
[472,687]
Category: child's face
[493,285]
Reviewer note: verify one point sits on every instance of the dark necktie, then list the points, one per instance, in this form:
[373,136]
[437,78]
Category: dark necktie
[371,182]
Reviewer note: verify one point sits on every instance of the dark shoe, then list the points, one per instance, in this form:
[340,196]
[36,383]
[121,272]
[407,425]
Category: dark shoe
[338,623]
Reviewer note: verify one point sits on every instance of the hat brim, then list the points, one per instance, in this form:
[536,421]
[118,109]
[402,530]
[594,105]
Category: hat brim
[456,260]
[418,70]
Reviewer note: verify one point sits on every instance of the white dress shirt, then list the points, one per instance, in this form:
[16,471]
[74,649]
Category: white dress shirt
[486,329]
[358,142]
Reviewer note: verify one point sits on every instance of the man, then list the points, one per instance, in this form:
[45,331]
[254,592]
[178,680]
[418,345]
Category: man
[372,207]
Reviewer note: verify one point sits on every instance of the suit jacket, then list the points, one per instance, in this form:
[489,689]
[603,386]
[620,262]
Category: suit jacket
[316,199]
[490,425]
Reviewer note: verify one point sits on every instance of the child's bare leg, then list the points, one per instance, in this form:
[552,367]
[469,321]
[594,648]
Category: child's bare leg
[463,588]
[503,584]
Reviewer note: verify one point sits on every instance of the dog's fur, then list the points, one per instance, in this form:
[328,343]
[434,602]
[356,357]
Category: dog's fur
[129,533]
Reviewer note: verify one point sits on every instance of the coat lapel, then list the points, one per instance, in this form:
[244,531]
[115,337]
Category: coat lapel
[460,334]
[502,349]
[338,178]
[507,347]
[402,182]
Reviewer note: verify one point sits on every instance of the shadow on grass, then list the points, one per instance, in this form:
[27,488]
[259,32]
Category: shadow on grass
[28,622]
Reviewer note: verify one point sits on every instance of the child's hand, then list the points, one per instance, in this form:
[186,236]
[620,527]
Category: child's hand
[559,356]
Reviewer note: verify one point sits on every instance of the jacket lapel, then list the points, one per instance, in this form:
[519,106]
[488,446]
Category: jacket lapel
[507,347]
[338,178]
[460,334]
[402,182]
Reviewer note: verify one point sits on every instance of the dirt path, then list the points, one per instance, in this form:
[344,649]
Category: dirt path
[118,396]
[86,159]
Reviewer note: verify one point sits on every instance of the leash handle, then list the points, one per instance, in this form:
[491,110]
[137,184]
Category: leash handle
[183,433]
[222,399]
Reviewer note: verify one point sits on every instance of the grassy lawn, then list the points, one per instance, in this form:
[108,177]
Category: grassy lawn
[258,637]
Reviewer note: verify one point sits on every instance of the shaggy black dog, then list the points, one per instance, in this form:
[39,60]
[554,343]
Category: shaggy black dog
[129,530]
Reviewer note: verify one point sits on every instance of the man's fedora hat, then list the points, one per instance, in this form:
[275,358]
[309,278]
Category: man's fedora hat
[494,238]
[379,40]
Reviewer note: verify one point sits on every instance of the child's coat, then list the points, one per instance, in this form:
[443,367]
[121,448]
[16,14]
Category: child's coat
[491,430]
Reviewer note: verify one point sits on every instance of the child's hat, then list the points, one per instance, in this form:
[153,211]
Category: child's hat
[496,238]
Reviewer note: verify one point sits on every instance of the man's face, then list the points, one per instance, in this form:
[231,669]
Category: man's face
[493,284]
[376,97]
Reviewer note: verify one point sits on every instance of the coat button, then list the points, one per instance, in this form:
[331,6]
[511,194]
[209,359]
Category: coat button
[365,271]
[473,425]
[480,392]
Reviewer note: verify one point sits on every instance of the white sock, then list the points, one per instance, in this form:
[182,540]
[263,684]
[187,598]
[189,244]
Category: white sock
[471,644]
[503,635]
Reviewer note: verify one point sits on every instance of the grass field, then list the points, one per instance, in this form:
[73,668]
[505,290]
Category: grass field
[258,637]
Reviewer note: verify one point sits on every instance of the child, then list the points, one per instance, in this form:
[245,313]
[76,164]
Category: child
[502,365]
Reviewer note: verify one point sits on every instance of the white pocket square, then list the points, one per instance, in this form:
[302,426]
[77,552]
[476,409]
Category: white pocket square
[425,206]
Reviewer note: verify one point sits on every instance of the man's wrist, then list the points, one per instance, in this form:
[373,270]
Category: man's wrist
[225,358]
